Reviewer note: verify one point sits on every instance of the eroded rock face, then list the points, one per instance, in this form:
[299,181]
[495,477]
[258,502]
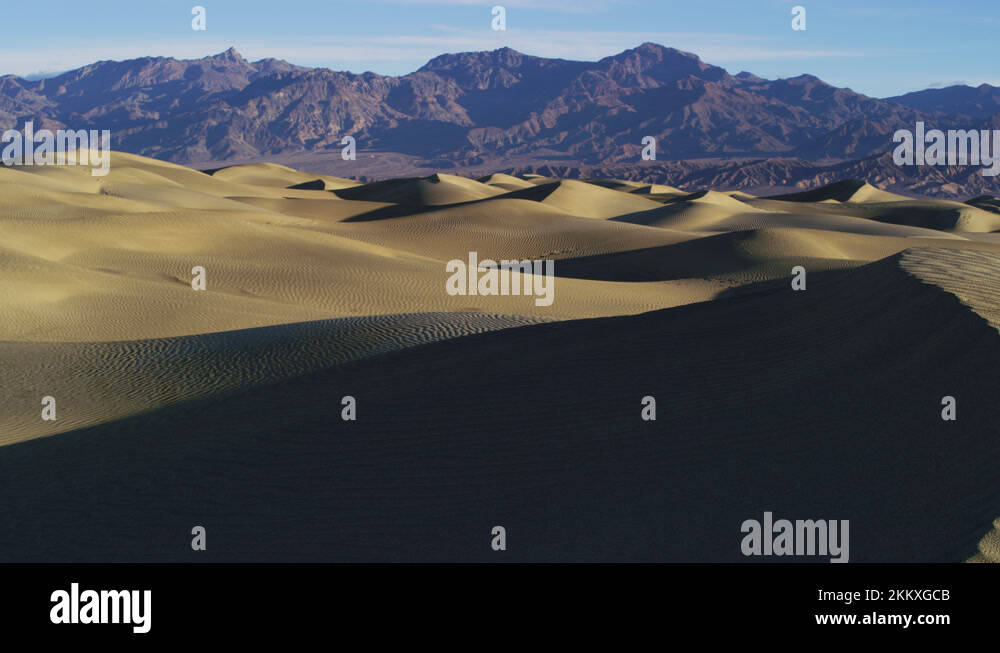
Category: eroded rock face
[503,102]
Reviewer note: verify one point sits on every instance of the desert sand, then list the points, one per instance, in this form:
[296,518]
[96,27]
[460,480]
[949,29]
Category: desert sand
[177,407]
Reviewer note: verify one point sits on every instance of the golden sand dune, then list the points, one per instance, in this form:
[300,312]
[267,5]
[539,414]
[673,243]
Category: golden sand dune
[506,228]
[989,546]
[976,286]
[616,184]
[110,258]
[820,404]
[420,191]
[659,190]
[318,287]
[848,190]
[702,211]
[716,217]
[278,176]
[113,260]
[946,216]
[259,271]
[582,199]
[637,187]
[505,182]
[326,209]
[99,381]
[748,256]
[942,215]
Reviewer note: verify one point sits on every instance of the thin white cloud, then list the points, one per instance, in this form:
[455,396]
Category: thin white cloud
[398,54]
[563,6]
[582,45]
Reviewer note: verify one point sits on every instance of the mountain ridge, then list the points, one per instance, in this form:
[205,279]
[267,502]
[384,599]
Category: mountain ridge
[472,108]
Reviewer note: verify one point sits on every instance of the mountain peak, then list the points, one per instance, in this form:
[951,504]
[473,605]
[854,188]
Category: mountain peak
[504,56]
[228,55]
[661,51]
[471,105]
[748,76]
[804,79]
[661,63]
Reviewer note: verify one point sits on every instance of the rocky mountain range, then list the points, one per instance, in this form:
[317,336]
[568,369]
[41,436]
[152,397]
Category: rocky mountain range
[491,108]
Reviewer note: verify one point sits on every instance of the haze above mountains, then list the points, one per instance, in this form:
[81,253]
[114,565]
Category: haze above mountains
[479,111]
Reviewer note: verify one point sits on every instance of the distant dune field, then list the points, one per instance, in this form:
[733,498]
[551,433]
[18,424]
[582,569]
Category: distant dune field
[178,406]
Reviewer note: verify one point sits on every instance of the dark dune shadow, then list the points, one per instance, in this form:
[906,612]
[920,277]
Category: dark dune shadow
[708,256]
[413,206]
[816,405]
[315,184]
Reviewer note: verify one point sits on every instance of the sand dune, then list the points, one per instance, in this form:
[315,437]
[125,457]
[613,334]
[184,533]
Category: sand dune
[582,199]
[989,546]
[848,190]
[986,202]
[225,401]
[744,257]
[769,400]
[941,215]
[434,190]
[507,228]
[278,176]
[506,182]
[101,381]
[112,260]
[636,187]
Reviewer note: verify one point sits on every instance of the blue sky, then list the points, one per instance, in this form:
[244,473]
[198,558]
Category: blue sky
[878,48]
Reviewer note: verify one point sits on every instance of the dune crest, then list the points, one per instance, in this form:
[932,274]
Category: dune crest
[318,287]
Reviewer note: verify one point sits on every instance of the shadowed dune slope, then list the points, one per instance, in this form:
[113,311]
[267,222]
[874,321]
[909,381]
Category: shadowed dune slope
[110,258]
[744,257]
[636,187]
[505,228]
[821,404]
[986,202]
[719,215]
[846,190]
[582,199]
[434,190]
[222,407]
[942,215]
[96,382]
